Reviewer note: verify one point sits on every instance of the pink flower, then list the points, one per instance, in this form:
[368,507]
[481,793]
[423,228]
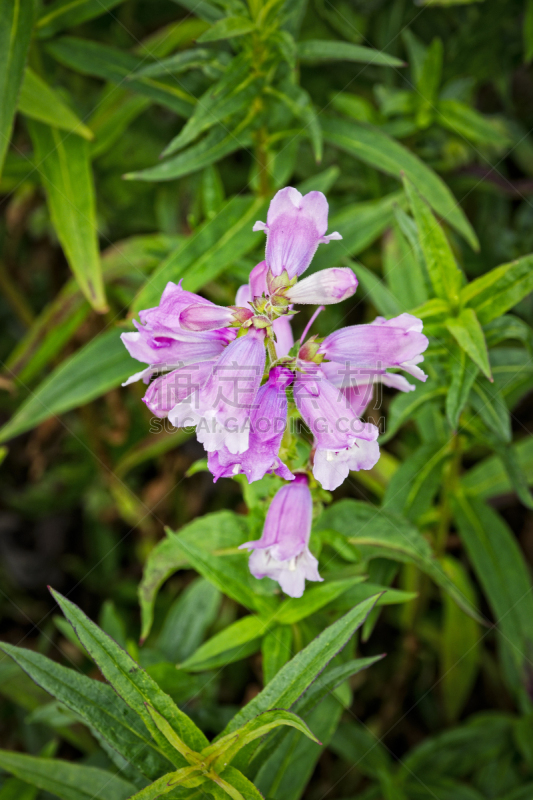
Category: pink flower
[324,288]
[180,384]
[295,227]
[255,288]
[267,426]
[282,553]
[221,412]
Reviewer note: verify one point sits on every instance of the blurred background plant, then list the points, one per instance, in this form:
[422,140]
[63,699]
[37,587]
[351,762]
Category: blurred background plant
[139,142]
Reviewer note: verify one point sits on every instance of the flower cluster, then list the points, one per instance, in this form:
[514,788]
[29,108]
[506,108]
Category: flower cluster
[226,371]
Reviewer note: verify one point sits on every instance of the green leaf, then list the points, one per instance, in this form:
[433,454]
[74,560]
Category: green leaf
[380,534]
[276,651]
[374,147]
[177,63]
[380,296]
[468,333]
[16,20]
[236,779]
[360,224]
[359,746]
[528,31]
[497,291]
[442,268]
[226,748]
[65,169]
[467,122]
[227,28]
[38,101]
[502,572]
[463,372]
[90,372]
[94,702]
[299,673]
[234,92]
[203,256]
[293,610]
[491,408]
[131,683]
[460,641]
[517,476]
[167,783]
[189,617]
[489,477]
[112,116]
[319,50]
[430,74]
[403,269]
[65,779]
[113,65]
[63,14]
[415,483]
[404,407]
[228,645]
[212,148]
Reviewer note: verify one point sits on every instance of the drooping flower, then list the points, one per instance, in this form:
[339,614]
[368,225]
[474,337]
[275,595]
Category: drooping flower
[221,413]
[295,226]
[342,440]
[282,553]
[397,342]
[180,384]
[324,288]
[267,426]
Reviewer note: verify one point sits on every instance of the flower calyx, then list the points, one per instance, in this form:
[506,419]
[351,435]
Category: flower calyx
[309,350]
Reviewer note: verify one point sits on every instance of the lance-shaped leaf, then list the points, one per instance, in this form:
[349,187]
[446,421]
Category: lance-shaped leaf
[172,737]
[464,373]
[233,92]
[64,165]
[227,28]
[497,291]
[468,333]
[374,147]
[188,776]
[97,705]
[38,101]
[241,787]
[316,597]
[404,407]
[319,50]
[61,14]
[99,366]
[489,404]
[132,683]
[299,673]
[442,268]
[234,643]
[489,478]
[16,20]
[276,651]
[224,750]
[65,779]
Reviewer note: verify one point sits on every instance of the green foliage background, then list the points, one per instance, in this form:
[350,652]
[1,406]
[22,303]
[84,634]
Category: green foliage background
[139,142]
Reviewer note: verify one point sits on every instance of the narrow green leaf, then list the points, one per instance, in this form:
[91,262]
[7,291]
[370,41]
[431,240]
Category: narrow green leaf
[90,372]
[131,683]
[246,789]
[380,296]
[497,291]
[403,268]
[293,610]
[468,333]
[430,74]
[319,50]
[211,654]
[276,651]
[97,705]
[177,63]
[489,477]
[460,644]
[227,28]
[16,20]
[61,14]
[502,571]
[491,408]
[203,256]
[415,483]
[517,476]
[374,147]
[467,122]
[167,783]
[113,65]
[172,737]
[38,101]
[65,779]
[232,93]
[463,372]
[404,407]
[189,617]
[212,148]
[116,110]
[442,268]
[296,676]
[380,534]
[65,169]
[528,32]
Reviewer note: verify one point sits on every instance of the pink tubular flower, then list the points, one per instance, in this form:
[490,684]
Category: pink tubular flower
[324,288]
[282,553]
[295,227]
[180,384]
[163,343]
[397,342]
[221,413]
[267,425]
[342,441]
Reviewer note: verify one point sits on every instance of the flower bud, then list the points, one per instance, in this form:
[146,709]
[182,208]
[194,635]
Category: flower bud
[324,288]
